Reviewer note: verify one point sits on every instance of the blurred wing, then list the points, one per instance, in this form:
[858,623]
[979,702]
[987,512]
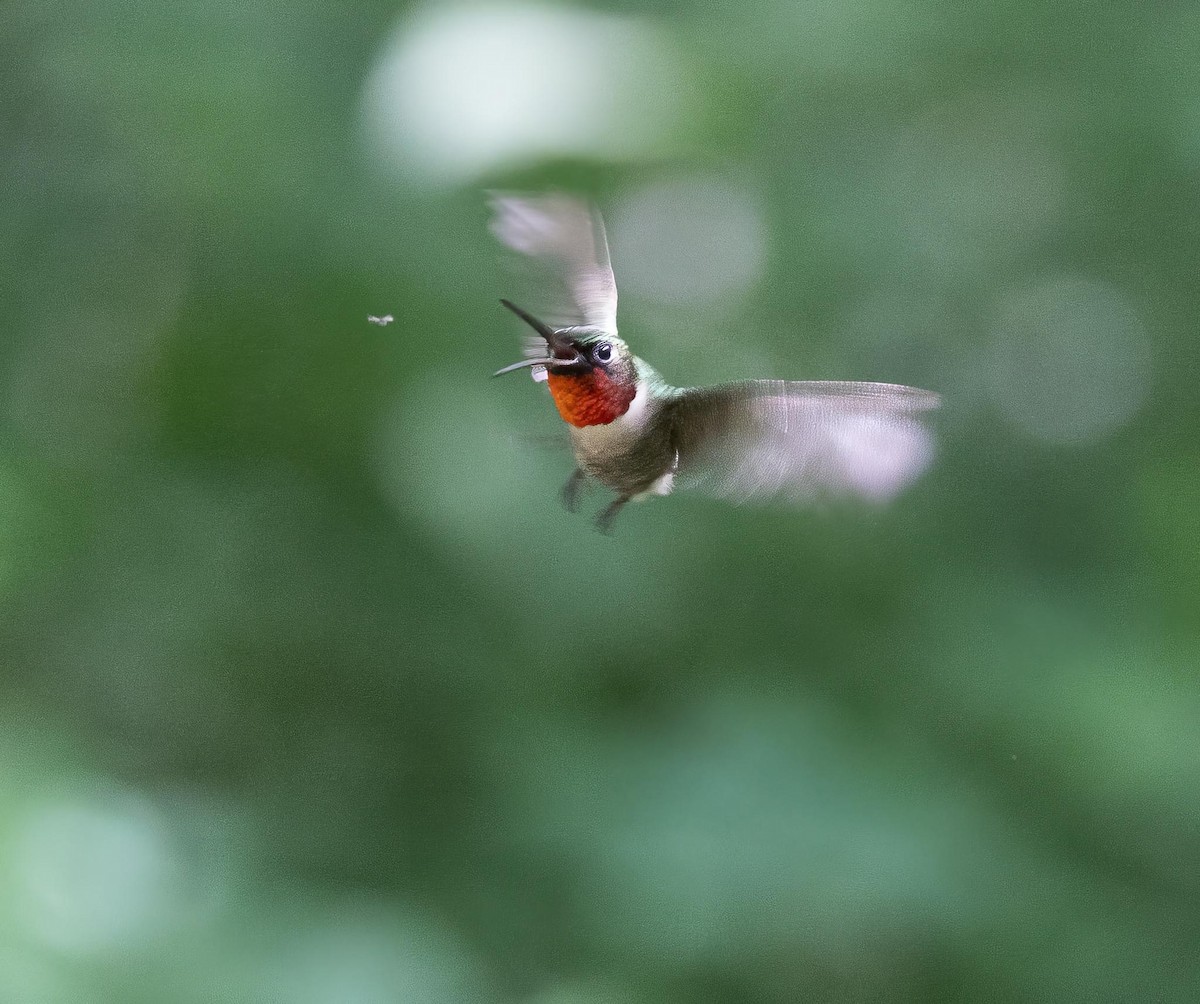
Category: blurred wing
[566,237]
[767,438]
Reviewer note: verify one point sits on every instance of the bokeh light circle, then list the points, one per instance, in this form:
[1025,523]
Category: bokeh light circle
[1069,359]
[461,90]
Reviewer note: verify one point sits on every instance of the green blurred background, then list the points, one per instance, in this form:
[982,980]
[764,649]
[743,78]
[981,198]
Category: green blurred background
[311,692]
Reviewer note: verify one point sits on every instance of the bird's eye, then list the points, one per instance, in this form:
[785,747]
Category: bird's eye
[602,352]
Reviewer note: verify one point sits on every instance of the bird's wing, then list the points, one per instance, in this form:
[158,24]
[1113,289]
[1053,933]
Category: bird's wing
[764,438]
[565,235]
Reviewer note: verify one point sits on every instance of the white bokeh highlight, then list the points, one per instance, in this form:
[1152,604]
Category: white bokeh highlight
[96,873]
[1069,359]
[364,952]
[461,90]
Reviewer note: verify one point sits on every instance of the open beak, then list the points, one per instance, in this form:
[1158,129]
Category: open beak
[561,352]
[523,364]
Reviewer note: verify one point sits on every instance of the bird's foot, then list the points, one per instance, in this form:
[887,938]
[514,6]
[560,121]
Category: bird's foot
[571,490]
[604,521]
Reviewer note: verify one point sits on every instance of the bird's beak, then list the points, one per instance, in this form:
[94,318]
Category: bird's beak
[562,353]
[523,364]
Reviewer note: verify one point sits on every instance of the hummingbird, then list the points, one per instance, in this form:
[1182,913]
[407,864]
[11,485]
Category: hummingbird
[640,437]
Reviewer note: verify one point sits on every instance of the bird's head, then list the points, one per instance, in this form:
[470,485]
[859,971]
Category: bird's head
[591,373]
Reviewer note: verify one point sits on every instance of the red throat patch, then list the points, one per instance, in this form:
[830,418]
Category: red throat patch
[592,398]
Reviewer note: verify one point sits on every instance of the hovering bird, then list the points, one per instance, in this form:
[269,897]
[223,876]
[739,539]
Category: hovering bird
[639,436]
[383,321]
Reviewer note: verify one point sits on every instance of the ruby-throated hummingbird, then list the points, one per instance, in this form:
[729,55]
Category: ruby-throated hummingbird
[639,436]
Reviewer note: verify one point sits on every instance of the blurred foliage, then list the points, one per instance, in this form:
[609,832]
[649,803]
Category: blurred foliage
[312,693]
